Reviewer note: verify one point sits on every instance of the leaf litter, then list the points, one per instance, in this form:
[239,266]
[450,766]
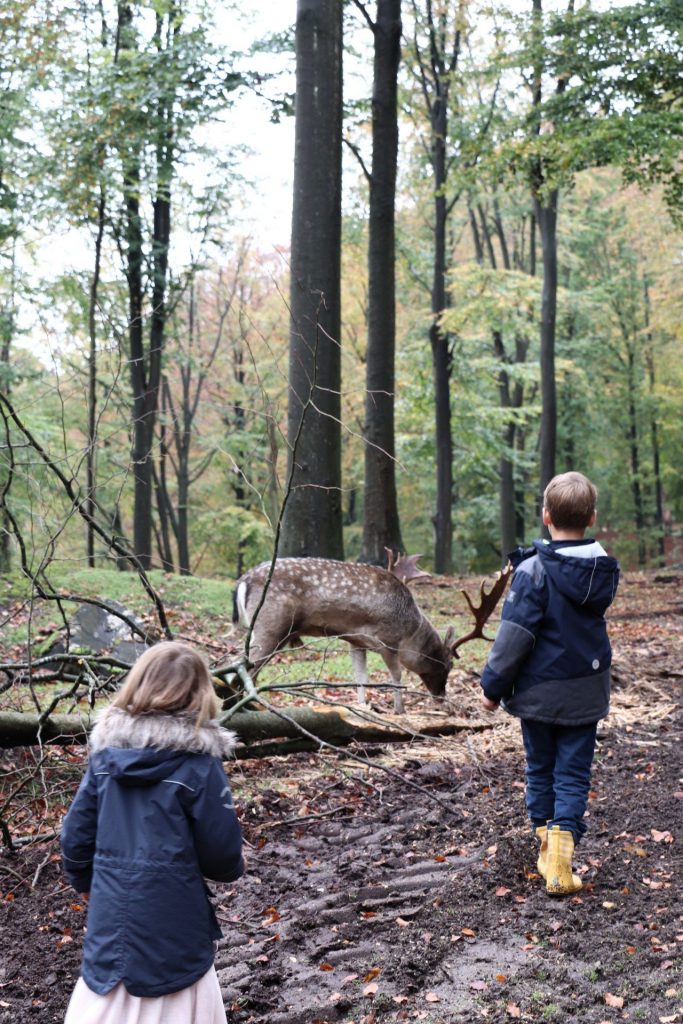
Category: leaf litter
[397,911]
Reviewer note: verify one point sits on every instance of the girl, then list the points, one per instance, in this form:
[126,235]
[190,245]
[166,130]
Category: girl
[152,815]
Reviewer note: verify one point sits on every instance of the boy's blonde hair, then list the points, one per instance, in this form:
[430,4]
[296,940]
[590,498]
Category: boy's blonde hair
[570,500]
[169,678]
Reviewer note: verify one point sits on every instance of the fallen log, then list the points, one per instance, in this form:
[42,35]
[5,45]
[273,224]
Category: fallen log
[260,733]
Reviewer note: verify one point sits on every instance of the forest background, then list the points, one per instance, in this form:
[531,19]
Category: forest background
[146,308]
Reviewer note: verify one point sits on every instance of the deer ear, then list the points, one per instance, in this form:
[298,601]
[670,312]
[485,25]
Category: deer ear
[449,637]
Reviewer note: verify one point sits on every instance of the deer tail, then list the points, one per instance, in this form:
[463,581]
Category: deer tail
[239,602]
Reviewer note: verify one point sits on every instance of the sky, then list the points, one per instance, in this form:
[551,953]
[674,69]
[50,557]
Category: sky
[268,167]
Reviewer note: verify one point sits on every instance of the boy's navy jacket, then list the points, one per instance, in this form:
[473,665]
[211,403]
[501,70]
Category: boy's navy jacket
[152,816]
[551,658]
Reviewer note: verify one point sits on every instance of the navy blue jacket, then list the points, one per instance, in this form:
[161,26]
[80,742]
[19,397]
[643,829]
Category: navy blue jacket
[147,822]
[551,658]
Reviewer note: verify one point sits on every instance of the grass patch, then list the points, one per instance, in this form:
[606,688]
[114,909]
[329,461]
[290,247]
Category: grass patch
[187,593]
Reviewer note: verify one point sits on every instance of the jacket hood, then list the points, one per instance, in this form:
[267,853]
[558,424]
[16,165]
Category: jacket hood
[581,570]
[138,767]
[166,734]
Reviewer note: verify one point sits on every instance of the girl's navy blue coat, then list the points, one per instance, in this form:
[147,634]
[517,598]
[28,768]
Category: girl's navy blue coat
[551,658]
[152,816]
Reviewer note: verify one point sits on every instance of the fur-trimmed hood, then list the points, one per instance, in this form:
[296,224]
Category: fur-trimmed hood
[117,728]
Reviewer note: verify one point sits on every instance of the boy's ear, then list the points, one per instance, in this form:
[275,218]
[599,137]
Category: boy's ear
[547,521]
[591,521]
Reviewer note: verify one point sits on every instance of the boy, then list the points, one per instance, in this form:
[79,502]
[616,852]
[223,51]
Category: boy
[550,666]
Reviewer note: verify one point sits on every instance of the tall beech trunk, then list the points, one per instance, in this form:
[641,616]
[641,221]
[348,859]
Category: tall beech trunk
[312,521]
[437,63]
[545,202]
[146,360]
[381,527]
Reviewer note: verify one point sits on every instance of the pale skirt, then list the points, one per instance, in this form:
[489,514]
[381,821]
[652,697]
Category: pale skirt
[201,1003]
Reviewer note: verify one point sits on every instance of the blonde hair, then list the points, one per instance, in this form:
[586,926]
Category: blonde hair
[570,500]
[169,678]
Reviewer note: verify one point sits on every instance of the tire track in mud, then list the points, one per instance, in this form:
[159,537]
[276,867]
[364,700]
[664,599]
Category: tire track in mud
[349,923]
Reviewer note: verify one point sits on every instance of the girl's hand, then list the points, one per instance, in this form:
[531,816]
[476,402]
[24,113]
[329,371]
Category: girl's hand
[489,705]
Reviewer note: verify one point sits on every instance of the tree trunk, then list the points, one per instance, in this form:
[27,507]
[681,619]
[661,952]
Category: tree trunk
[145,363]
[381,527]
[546,216]
[441,355]
[337,726]
[165,515]
[654,430]
[634,449]
[7,320]
[312,523]
[91,458]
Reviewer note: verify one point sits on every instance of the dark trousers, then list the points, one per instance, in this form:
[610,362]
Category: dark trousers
[558,773]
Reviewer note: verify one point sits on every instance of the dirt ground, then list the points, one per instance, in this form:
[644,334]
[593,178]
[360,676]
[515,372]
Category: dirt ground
[411,894]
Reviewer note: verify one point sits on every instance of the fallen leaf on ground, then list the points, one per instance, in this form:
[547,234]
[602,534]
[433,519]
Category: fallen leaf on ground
[469,932]
[478,986]
[432,997]
[513,1010]
[661,837]
[502,891]
[372,973]
[616,1001]
[326,967]
[370,989]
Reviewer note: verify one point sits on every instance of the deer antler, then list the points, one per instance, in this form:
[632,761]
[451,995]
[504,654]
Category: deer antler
[405,567]
[483,611]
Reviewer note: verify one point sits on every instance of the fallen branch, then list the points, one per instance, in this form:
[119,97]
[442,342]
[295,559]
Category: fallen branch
[336,727]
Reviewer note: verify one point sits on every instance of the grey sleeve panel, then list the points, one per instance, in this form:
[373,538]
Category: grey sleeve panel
[512,646]
[533,567]
[564,701]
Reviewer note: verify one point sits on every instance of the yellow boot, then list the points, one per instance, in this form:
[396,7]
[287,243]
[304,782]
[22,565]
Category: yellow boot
[542,862]
[559,878]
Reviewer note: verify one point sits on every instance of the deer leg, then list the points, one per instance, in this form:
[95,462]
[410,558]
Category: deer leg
[360,672]
[391,660]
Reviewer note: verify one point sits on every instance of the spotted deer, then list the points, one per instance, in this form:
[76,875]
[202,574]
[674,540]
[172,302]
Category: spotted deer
[369,607]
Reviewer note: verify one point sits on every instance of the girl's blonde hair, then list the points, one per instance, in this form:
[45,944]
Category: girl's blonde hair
[169,678]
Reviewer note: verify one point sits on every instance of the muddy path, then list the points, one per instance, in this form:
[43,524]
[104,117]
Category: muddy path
[374,897]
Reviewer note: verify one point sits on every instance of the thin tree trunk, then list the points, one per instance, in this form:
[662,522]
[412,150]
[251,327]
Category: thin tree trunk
[441,354]
[7,320]
[312,523]
[546,216]
[381,527]
[91,458]
[164,509]
[634,449]
[654,429]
